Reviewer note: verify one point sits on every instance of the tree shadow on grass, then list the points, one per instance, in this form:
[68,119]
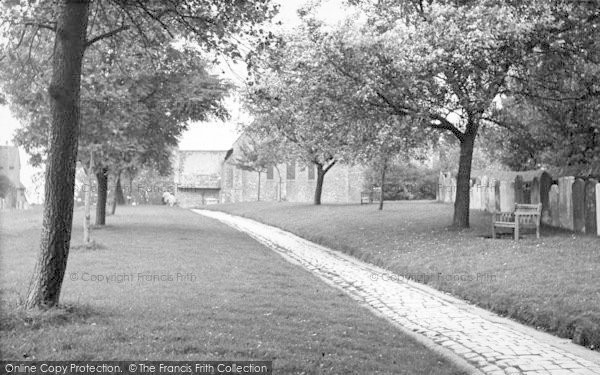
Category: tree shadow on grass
[17,318]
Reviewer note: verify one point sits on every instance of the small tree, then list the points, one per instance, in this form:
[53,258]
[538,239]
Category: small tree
[257,155]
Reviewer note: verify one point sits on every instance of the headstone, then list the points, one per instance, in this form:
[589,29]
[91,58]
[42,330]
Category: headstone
[554,211]
[497,196]
[484,193]
[578,194]
[535,191]
[527,192]
[447,189]
[471,194]
[440,190]
[545,185]
[565,202]
[476,195]
[519,196]
[491,193]
[507,194]
[598,208]
[591,221]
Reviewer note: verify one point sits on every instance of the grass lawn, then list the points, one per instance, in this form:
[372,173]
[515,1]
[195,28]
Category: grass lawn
[234,300]
[552,283]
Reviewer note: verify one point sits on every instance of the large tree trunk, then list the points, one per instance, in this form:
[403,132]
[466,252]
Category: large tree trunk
[462,201]
[102,178]
[46,282]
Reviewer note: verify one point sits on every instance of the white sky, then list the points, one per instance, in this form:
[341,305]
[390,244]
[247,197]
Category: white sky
[214,135]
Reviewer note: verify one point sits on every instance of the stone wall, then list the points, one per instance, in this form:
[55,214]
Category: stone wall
[342,184]
[193,197]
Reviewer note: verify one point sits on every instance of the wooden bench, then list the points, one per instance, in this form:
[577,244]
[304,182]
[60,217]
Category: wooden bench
[524,216]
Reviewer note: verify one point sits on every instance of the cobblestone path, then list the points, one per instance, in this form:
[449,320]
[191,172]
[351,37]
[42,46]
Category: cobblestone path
[489,345]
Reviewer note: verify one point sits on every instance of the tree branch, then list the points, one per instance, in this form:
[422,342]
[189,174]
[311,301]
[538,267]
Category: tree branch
[106,35]
[41,25]
[331,164]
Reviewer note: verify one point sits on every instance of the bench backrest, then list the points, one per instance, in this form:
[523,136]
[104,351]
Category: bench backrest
[528,208]
[528,214]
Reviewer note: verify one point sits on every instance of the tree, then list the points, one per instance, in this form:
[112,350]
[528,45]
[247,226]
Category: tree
[384,139]
[258,154]
[297,98]
[209,22]
[129,117]
[444,63]
[551,114]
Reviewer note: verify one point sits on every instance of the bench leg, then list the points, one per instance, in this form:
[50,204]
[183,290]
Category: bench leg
[516,231]
[537,231]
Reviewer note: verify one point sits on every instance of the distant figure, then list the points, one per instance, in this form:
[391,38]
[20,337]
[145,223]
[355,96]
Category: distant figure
[169,199]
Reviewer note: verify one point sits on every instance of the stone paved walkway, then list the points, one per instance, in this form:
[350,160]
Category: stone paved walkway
[488,344]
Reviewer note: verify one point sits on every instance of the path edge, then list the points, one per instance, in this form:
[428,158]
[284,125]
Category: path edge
[461,363]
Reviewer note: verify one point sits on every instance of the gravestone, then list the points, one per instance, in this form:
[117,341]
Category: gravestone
[578,194]
[591,221]
[507,202]
[535,191]
[554,210]
[598,208]
[519,195]
[565,202]
[439,191]
[447,190]
[471,196]
[491,206]
[545,185]
[484,193]
[476,197]
[496,196]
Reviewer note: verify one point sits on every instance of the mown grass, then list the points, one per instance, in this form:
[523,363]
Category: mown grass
[243,302]
[552,284]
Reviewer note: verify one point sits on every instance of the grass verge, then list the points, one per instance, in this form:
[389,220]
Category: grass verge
[167,284]
[552,284]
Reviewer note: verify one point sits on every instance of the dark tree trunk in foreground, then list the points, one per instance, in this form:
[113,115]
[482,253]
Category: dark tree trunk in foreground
[46,282]
[462,202]
[321,171]
[102,178]
[383,169]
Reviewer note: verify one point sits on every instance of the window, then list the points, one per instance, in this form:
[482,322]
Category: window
[270,172]
[291,170]
[311,171]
